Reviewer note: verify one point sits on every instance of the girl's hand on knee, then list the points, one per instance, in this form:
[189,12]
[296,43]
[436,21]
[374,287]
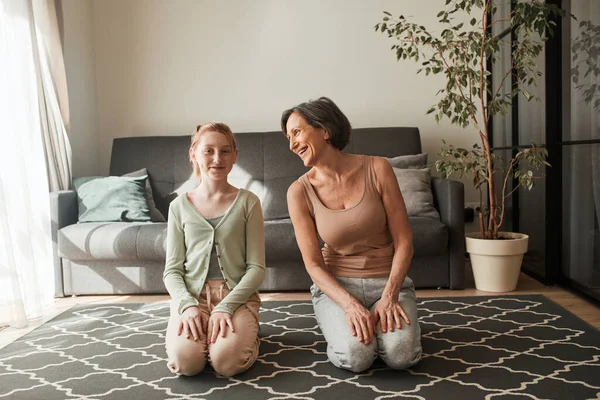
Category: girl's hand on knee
[361,322]
[192,323]
[218,323]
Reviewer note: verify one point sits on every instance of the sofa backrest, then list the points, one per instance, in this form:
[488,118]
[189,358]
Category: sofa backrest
[265,164]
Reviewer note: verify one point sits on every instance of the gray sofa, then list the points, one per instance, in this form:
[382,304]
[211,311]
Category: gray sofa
[128,257]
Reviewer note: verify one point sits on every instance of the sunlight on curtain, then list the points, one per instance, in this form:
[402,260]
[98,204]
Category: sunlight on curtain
[26,268]
[54,101]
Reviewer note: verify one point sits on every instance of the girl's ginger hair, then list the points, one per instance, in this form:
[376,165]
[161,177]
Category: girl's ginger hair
[210,127]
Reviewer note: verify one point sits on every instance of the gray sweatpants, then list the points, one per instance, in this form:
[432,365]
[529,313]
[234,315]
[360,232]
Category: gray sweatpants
[399,349]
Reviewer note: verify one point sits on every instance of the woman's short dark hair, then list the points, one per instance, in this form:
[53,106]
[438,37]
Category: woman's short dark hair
[323,113]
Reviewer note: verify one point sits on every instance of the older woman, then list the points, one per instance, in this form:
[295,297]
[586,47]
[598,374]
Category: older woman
[364,301]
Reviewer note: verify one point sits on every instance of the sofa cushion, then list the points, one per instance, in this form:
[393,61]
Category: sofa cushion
[412,161]
[280,242]
[384,142]
[415,185]
[146,241]
[430,236]
[112,199]
[274,199]
[113,241]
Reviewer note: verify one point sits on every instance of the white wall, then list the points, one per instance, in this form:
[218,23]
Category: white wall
[162,67]
[81,80]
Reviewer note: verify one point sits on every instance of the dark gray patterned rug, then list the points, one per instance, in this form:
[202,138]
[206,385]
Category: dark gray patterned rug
[515,347]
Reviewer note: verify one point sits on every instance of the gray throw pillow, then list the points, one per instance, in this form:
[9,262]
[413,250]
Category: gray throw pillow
[156,215]
[415,185]
[112,199]
[411,161]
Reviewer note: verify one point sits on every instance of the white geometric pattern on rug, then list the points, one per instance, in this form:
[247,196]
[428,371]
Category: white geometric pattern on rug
[491,347]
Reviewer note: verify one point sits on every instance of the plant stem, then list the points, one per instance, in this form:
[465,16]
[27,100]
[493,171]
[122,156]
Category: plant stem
[512,164]
[480,213]
[492,227]
[481,224]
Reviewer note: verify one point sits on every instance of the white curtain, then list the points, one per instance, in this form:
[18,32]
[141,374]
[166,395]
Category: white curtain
[32,133]
[53,96]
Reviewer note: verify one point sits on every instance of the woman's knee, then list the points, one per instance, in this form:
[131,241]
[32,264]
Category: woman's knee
[401,351]
[353,356]
[405,358]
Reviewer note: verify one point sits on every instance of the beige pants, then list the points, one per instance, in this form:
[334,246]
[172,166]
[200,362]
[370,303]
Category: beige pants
[229,355]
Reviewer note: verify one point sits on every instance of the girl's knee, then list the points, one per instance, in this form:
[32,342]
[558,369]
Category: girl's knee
[233,359]
[229,368]
[187,364]
[232,365]
[186,357]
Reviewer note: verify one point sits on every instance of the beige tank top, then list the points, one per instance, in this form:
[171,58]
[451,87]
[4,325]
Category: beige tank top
[358,243]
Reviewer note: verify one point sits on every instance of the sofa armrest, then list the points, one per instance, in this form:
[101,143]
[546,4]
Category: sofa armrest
[449,199]
[63,212]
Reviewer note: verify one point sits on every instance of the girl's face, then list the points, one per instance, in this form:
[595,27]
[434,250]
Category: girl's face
[214,155]
[305,140]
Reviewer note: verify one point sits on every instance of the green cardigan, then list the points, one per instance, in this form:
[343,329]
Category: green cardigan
[240,243]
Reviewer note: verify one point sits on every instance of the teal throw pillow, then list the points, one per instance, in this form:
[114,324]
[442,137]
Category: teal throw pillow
[112,199]
[155,214]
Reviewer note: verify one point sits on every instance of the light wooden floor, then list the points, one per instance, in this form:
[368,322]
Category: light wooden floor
[527,285]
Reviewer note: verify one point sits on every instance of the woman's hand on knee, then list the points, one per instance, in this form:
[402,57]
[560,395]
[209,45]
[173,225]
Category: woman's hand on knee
[390,314]
[361,322]
[192,322]
[218,324]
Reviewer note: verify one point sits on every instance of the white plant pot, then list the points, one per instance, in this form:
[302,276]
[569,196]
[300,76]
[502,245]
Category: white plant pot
[496,264]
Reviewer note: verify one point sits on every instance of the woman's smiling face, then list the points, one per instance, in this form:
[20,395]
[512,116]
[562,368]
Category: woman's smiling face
[305,140]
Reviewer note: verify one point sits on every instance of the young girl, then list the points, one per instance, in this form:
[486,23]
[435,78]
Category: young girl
[215,264]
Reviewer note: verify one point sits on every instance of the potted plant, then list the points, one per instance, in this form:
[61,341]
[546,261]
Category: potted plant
[461,52]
